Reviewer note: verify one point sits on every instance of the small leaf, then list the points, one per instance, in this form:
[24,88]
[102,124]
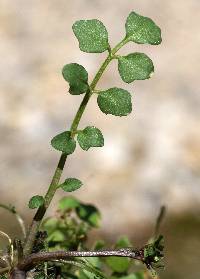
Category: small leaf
[50,224]
[123,242]
[68,203]
[92,35]
[89,214]
[142,30]
[35,202]
[135,66]
[90,137]
[118,264]
[77,77]
[71,184]
[115,101]
[63,142]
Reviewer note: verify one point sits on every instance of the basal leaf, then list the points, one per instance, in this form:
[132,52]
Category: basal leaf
[92,35]
[142,30]
[63,142]
[71,184]
[77,77]
[35,202]
[90,137]
[115,101]
[135,66]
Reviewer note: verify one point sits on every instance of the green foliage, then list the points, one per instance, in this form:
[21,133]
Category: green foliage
[135,66]
[142,30]
[119,264]
[35,202]
[89,214]
[71,184]
[69,228]
[115,101]
[64,142]
[92,35]
[68,203]
[77,77]
[90,137]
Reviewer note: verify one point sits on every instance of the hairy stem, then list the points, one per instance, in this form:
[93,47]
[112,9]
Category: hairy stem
[58,172]
[34,259]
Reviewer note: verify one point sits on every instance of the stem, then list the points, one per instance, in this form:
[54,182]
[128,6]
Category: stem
[34,259]
[58,172]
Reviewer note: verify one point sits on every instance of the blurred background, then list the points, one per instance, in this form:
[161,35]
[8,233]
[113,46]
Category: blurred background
[150,158]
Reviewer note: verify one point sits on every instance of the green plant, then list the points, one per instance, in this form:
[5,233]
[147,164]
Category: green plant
[56,247]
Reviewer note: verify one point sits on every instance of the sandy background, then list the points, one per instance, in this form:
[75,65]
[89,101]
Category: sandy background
[150,158]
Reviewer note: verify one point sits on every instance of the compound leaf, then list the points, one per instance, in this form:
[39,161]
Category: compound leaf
[90,137]
[77,77]
[64,142]
[135,66]
[115,101]
[142,30]
[92,35]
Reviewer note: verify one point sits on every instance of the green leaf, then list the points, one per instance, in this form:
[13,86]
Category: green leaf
[35,202]
[142,30]
[68,203]
[90,137]
[56,236]
[92,35]
[63,142]
[77,77]
[135,66]
[123,242]
[50,224]
[119,264]
[89,214]
[115,101]
[71,184]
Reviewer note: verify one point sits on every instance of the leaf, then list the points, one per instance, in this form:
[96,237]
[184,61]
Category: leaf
[77,77]
[120,264]
[50,224]
[135,66]
[71,184]
[115,101]
[56,236]
[63,142]
[92,35]
[142,30]
[123,242]
[35,202]
[90,137]
[67,203]
[89,214]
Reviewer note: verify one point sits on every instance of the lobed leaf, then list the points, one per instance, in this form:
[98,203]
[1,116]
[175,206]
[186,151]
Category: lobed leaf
[35,202]
[135,66]
[71,184]
[142,30]
[63,142]
[90,137]
[92,35]
[115,101]
[77,77]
